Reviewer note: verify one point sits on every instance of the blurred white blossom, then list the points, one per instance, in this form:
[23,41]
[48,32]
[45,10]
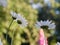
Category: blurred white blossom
[1,42]
[36,6]
[47,2]
[3,3]
[58,43]
[19,19]
[57,12]
[45,23]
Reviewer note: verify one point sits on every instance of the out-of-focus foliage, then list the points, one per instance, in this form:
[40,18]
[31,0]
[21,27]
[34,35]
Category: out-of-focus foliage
[22,35]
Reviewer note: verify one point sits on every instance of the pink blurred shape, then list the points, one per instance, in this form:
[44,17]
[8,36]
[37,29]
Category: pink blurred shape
[42,38]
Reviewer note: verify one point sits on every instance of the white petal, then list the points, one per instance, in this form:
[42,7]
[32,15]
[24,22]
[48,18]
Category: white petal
[41,22]
[38,23]
[52,26]
[13,14]
[50,22]
[44,23]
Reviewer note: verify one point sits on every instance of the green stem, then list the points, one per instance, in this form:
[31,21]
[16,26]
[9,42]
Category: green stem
[9,28]
[12,38]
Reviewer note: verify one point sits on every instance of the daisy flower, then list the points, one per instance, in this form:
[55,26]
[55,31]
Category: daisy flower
[3,3]
[1,42]
[48,23]
[58,43]
[21,21]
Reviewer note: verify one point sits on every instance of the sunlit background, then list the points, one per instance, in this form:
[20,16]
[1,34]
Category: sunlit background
[19,35]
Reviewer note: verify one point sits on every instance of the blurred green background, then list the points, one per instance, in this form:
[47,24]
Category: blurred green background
[30,33]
